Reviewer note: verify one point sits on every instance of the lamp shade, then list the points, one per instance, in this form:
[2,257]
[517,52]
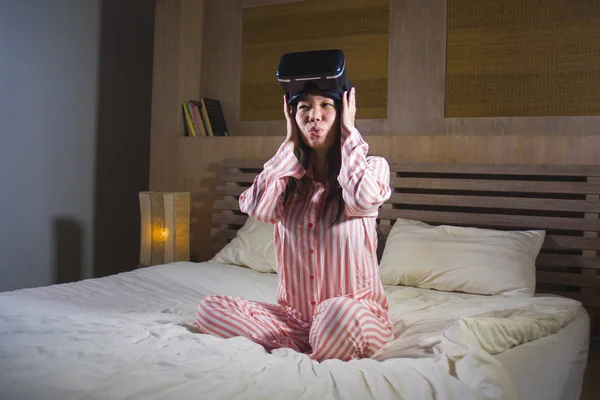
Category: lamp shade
[165,234]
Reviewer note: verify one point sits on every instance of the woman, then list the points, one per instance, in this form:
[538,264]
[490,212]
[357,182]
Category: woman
[322,193]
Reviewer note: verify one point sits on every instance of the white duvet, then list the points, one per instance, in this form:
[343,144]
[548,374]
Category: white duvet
[131,336]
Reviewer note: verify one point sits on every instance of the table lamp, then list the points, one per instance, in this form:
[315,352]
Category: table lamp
[165,223]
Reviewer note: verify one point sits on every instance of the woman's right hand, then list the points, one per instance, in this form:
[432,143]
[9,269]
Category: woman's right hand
[293,138]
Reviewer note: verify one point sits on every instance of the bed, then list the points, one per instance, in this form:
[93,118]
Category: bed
[131,335]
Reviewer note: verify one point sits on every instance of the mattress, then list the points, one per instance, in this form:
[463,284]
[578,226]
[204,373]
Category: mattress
[131,336]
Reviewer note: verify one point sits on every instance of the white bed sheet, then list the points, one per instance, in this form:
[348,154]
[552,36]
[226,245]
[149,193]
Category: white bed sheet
[551,367]
[128,336]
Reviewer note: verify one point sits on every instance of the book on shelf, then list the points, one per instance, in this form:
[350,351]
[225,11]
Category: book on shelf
[204,118]
[188,121]
[213,115]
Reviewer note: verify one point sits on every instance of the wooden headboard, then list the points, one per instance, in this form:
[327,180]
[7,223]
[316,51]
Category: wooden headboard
[561,199]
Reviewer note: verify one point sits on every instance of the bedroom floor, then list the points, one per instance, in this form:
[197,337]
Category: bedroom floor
[591,381]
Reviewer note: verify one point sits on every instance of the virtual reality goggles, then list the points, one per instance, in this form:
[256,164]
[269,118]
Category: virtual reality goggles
[325,70]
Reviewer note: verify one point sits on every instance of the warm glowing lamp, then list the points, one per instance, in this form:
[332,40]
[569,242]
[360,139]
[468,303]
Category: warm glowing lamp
[165,235]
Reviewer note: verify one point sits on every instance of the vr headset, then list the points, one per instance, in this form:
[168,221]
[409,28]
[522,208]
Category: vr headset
[298,73]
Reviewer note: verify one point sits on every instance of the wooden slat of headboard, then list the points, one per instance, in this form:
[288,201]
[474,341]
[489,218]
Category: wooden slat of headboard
[491,169]
[561,260]
[230,190]
[521,203]
[569,279]
[495,185]
[571,242]
[233,163]
[511,221]
[233,205]
[563,200]
[237,177]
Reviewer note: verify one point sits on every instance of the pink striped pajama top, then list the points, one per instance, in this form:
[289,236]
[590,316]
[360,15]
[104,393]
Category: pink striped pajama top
[316,261]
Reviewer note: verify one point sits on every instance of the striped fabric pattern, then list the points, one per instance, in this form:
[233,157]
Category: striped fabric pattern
[331,302]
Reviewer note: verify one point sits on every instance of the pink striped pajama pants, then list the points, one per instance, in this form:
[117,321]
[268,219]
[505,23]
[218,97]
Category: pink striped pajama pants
[341,327]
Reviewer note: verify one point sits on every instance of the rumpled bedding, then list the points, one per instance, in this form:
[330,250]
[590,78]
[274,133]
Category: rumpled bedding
[461,333]
[131,336]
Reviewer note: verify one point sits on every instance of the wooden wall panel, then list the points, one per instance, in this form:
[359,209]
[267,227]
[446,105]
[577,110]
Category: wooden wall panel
[417,68]
[167,43]
[178,39]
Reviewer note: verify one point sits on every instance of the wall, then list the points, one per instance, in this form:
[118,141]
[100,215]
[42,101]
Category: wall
[123,144]
[57,126]
[416,77]
[415,129]
[48,102]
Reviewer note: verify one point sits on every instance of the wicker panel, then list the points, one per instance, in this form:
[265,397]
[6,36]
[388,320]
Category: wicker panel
[359,28]
[515,58]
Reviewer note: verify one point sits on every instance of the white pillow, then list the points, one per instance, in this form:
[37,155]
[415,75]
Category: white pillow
[253,247]
[452,258]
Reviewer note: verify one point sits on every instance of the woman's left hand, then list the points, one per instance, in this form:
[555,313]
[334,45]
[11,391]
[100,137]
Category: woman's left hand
[348,110]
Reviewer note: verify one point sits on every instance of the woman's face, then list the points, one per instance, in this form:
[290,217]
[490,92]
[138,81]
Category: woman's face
[317,119]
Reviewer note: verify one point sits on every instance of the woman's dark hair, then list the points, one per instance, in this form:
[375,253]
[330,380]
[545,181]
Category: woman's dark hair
[297,188]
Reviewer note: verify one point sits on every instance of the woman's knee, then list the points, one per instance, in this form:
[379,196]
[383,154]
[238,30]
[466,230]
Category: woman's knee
[207,303]
[210,301]
[208,308]
[338,311]
[336,328]
[345,328]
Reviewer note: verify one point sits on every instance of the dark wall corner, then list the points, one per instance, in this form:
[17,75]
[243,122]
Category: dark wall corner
[123,131]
